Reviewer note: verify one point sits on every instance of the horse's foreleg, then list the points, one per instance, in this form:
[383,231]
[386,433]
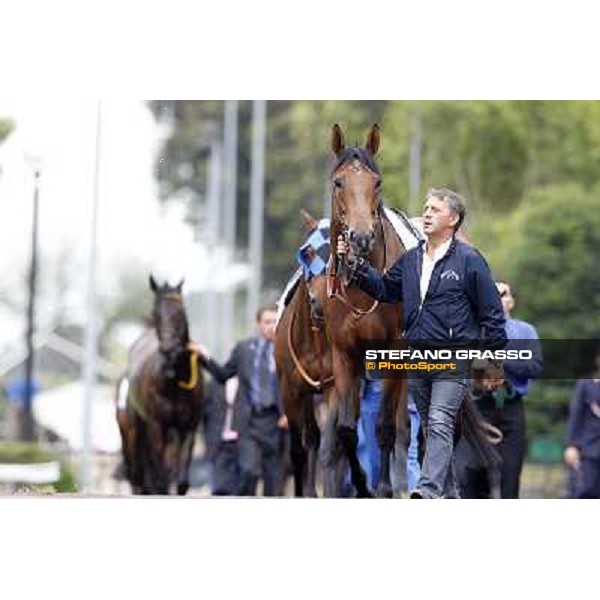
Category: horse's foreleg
[156,478]
[348,391]
[393,400]
[136,445]
[329,453]
[311,444]
[292,400]
[186,450]
[297,456]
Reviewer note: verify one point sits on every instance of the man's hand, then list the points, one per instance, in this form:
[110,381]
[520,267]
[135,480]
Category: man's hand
[282,423]
[488,374]
[572,457]
[344,249]
[199,348]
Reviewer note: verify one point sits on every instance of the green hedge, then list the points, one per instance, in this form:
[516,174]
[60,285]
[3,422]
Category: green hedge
[28,453]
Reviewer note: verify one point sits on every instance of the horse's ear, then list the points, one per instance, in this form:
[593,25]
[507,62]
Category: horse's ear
[153,284]
[180,285]
[337,140]
[308,220]
[373,139]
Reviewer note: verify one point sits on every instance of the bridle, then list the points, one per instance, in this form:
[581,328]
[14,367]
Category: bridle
[337,274]
[168,354]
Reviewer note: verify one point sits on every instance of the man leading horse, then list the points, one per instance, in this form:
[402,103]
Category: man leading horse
[449,297]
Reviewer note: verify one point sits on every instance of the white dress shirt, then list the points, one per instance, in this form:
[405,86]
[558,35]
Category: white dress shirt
[429,264]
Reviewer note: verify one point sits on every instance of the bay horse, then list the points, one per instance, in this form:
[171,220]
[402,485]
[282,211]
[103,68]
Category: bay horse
[351,316]
[303,362]
[160,400]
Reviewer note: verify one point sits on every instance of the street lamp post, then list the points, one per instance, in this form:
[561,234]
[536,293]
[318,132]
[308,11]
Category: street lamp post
[27,429]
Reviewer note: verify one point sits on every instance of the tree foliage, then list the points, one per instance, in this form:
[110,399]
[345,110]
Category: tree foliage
[6,126]
[530,169]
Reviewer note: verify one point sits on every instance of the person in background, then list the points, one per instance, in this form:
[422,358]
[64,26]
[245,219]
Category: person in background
[582,454]
[259,414]
[501,402]
[222,447]
[406,467]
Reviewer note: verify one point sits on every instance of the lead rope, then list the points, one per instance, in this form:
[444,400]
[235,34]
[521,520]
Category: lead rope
[193,382]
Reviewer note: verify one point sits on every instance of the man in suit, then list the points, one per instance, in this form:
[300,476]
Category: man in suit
[582,454]
[258,417]
[222,447]
[501,402]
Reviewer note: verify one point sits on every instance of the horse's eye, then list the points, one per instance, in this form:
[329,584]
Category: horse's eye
[338,183]
[378,184]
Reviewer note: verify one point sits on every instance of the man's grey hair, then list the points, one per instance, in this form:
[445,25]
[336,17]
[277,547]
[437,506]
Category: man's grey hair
[457,204]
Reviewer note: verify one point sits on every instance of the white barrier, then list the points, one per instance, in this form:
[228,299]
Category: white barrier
[36,473]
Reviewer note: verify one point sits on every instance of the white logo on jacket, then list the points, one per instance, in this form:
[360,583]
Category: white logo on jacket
[450,274]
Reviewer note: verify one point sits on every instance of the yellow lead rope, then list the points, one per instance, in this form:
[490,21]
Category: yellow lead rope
[193,382]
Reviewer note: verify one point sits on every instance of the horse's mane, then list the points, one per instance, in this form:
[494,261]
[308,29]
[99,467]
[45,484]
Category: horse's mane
[363,155]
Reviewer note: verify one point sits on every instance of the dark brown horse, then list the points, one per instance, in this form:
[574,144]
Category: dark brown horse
[163,391]
[351,316]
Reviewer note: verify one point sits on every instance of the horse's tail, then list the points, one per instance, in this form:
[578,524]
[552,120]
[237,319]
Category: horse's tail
[479,433]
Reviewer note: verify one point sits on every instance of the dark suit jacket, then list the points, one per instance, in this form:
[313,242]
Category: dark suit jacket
[240,363]
[584,418]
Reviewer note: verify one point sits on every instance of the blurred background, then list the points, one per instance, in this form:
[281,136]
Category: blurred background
[96,196]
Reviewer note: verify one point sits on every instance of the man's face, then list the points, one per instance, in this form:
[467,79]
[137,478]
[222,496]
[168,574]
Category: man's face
[266,324]
[508,302]
[438,217]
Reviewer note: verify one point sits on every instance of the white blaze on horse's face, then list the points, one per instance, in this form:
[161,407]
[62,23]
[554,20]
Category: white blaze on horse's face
[356,199]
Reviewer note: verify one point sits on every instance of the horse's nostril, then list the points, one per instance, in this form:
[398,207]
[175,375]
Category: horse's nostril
[352,235]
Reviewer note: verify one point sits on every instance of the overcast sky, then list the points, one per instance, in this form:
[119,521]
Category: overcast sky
[131,224]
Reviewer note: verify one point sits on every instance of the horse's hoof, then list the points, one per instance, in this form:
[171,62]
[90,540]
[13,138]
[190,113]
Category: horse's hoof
[384,490]
[182,488]
[366,493]
[310,492]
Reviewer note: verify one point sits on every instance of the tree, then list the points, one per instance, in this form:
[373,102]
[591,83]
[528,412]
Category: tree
[494,152]
[549,251]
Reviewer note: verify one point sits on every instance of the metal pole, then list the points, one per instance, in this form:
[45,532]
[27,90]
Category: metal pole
[230,134]
[91,334]
[27,429]
[213,200]
[415,164]
[257,203]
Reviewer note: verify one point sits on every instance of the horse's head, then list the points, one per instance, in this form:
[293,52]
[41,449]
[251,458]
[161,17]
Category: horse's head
[170,321]
[356,185]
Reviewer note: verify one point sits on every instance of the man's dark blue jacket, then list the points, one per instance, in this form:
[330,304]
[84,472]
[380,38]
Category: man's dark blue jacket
[584,418]
[461,304]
